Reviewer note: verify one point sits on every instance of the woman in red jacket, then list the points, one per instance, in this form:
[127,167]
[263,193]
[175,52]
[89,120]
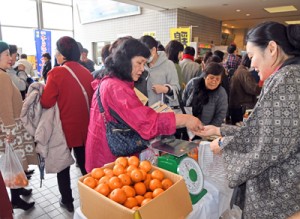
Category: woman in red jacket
[62,88]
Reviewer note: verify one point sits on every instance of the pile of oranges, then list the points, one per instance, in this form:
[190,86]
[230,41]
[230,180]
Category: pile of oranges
[130,182]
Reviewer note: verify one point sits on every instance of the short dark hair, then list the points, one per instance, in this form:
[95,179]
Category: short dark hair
[219,53]
[206,56]
[118,42]
[149,41]
[189,50]
[105,52]
[288,38]
[246,61]
[23,56]
[214,68]
[47,55]
[119,63]
[231,48]
[172,50]
[213,58]
[13,49]
[85,51]
[160,47]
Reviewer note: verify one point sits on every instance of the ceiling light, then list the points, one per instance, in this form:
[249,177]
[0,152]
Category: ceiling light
[293,22]
[247,14]
[281,9]
[238,10]
[232,26]
[224,24]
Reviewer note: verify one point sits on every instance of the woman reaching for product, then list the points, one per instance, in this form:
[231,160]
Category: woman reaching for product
[125,65]
[264,153]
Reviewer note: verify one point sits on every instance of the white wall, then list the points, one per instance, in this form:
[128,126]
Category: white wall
[110,30]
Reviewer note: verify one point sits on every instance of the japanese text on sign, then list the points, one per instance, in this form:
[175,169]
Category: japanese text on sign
[182,35]
[153,34]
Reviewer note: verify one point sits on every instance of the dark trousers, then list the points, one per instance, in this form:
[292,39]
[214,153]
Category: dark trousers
[15,195]
[63,177]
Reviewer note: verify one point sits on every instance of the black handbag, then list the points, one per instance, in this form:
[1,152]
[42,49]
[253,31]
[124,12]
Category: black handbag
[121,139]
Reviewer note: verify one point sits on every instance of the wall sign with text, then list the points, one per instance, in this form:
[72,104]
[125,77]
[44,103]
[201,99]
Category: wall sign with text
[181,34]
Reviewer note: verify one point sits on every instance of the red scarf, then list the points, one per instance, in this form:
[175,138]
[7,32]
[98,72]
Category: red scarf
[187,56]
[261,83]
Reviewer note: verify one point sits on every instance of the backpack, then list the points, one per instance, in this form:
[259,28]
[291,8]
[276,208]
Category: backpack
[29,81]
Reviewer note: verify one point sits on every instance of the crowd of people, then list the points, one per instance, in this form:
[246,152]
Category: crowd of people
[261,154]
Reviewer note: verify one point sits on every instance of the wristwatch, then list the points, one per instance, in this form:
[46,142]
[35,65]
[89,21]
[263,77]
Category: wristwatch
[220,143]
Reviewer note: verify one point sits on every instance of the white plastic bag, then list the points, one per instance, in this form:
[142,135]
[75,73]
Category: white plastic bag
[211,164]
[234,213]
[12,170]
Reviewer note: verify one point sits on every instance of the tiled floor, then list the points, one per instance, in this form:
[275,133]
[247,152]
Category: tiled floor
[47,198]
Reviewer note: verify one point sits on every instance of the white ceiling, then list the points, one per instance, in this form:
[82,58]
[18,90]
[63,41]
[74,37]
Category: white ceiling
[225,10]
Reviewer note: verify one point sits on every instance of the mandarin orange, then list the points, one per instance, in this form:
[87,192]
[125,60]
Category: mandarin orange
[90,182]
[118,195]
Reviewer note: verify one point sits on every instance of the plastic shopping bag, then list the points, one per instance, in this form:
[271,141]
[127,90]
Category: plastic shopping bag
[12,170]
[234,213]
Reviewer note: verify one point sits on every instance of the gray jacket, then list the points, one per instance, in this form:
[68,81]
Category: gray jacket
[214,112]
[190,69]
[18,80]
[45,126]
[163,72]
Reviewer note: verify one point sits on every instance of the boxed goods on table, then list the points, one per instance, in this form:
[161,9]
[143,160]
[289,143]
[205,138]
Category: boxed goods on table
[173,203]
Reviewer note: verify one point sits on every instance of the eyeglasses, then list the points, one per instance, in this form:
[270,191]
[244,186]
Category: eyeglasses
[212,77]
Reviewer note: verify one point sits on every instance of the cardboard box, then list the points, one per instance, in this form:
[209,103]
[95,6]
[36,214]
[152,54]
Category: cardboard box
[174,203]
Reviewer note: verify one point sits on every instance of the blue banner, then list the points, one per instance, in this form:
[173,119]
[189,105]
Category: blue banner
[42,44]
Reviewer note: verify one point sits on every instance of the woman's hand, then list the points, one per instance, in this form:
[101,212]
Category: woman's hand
[190,122]
[158,89]
[193,124]
[208,131]
[214,146]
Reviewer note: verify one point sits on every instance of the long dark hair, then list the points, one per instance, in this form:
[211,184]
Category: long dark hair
[119,64]
[288,38]
[201,93]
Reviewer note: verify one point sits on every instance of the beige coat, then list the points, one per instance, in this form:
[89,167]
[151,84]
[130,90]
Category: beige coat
[10,109]
[45,125]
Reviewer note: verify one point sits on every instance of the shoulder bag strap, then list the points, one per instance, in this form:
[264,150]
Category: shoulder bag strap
[180,102]
[100,104]
[99,100]
[82,88]
[111,111]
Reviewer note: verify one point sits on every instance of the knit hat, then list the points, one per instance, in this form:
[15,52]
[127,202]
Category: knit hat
[3,46]
[26,64]
[68,47]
